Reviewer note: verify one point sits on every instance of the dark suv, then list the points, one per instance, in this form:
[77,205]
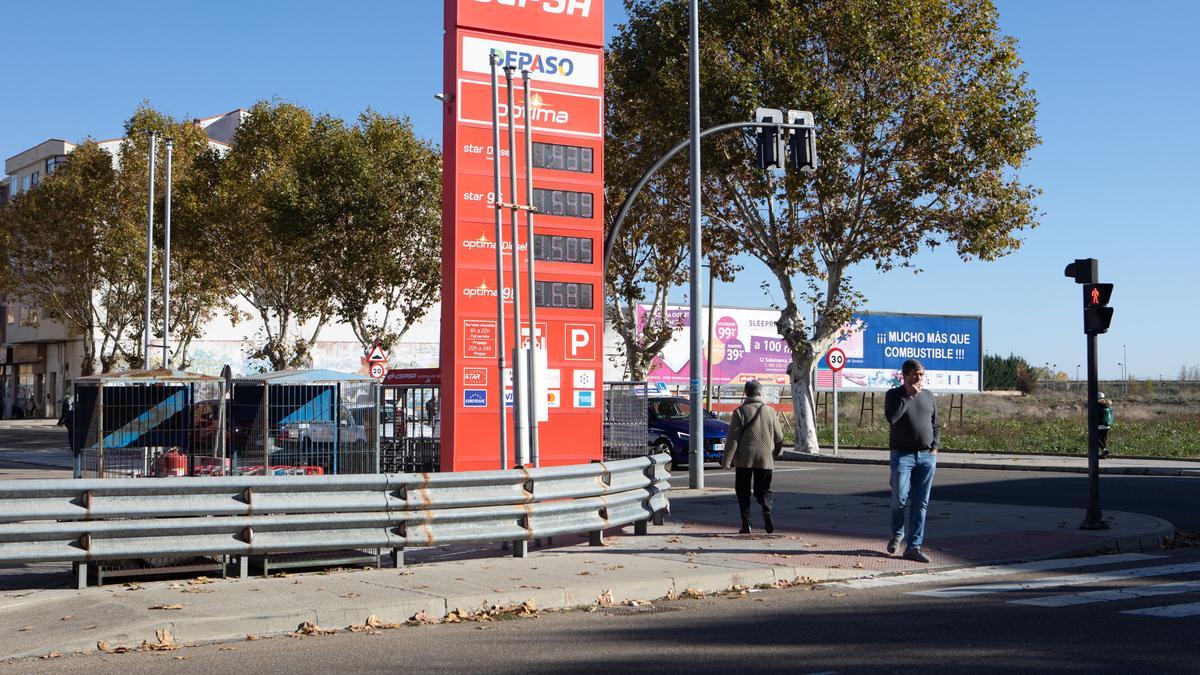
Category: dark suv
[668,424]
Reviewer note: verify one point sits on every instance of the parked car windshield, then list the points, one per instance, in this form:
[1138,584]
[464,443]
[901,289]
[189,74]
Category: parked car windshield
[669,409]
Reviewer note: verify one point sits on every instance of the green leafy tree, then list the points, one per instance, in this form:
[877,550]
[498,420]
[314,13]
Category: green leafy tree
[923,117]
[373,192]
[73,251]
[199,286]
[256,227]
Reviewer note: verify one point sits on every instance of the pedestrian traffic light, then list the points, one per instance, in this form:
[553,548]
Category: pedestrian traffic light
[771,145]
[1084,270]
[802,143]
[1097,315]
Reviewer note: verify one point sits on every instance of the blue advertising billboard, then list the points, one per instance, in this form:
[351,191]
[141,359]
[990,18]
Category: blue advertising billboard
[876,344]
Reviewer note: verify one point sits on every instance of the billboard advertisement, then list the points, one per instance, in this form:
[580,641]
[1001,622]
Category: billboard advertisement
[560,44]
[746,346]
[877,344]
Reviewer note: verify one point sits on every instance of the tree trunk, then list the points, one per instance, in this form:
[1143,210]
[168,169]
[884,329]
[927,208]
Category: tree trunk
[802,404]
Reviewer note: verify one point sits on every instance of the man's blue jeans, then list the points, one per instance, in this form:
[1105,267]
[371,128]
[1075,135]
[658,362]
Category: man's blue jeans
[911,480]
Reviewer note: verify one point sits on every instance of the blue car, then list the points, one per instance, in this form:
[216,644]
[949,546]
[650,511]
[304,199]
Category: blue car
[668,425]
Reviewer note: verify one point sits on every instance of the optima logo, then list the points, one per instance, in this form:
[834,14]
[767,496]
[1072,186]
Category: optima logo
[535,63]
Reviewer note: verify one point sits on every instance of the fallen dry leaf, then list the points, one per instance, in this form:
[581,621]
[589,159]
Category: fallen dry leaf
[606,599]
[838,595]
[422,618]
[351,594]
[91,627]
[226,649]
[310,628]
[67,618]
[166,642]
[200,580]
[25,628]
[584,574]
[173,606]
[376,622]
[251,638]
[52,655]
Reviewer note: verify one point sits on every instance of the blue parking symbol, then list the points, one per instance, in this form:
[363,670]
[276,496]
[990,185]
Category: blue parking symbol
[475,398]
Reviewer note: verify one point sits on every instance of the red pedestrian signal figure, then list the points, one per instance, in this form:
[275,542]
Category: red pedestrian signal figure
[1096,313]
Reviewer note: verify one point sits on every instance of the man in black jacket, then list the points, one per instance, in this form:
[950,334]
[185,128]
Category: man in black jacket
[914,438]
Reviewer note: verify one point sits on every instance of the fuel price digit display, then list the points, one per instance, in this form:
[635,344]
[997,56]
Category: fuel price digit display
[563,294]
[562,157]
[553,248]
[563,203]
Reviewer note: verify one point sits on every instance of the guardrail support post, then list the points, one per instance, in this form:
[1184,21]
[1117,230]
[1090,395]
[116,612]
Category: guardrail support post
[640,528]
[658,517]
[596,538]
[520,548]
[243,566]
[81,575]
[398,558]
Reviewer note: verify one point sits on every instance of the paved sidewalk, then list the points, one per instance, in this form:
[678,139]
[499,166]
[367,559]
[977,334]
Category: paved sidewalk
[954,459]
[820,538]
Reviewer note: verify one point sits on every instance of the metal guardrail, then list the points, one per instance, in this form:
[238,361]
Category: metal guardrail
[84,521]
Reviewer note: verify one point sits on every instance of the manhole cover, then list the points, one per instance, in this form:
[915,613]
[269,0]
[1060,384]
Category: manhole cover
[640,609]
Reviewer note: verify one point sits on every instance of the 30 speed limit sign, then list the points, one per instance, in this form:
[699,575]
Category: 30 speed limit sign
[836,358]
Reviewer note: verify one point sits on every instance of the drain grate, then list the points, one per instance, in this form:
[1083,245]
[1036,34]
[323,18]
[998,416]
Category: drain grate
[640,609]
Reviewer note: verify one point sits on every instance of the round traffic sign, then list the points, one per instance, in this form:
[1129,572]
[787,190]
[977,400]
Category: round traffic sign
[836,358]
[377,370]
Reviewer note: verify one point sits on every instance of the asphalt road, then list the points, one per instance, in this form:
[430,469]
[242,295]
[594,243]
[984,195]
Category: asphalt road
[1171,498]
[956,624]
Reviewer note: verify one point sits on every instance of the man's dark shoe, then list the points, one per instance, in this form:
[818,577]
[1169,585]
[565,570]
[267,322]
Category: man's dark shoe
[745,529]
[1104,454]
[768,523]
[915,555]
[894,544]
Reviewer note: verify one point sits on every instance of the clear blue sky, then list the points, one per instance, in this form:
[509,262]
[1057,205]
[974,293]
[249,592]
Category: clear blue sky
[1117,85]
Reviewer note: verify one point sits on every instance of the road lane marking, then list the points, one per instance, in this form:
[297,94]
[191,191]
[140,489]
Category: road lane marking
[1066,580]
[1169,611]
[1112,595]
[995,570]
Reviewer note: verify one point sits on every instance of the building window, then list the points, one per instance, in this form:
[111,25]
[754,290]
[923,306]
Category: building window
[34,178]
[54,162]
[25,183]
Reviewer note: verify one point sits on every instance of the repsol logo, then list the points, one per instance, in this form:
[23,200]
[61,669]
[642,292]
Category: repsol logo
[569,7]
[538,64]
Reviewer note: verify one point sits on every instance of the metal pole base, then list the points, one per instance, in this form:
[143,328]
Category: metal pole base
[1090,524]
[520,548]
[640,528]
[596,538]
[398,558]
[659,518]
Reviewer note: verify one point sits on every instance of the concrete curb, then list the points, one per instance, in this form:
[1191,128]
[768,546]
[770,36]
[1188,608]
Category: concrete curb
[1000,466]
[235,628]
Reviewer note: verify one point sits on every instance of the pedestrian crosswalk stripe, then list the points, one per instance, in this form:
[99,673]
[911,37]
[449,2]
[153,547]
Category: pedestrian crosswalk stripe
[1066,580]
[1111,595]
[995,570]
[1169,611]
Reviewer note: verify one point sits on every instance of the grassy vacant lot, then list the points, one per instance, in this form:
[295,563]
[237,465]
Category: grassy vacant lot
[1154,419]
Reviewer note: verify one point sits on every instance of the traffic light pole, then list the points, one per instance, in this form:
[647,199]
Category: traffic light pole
[615,231]
[1093,519]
